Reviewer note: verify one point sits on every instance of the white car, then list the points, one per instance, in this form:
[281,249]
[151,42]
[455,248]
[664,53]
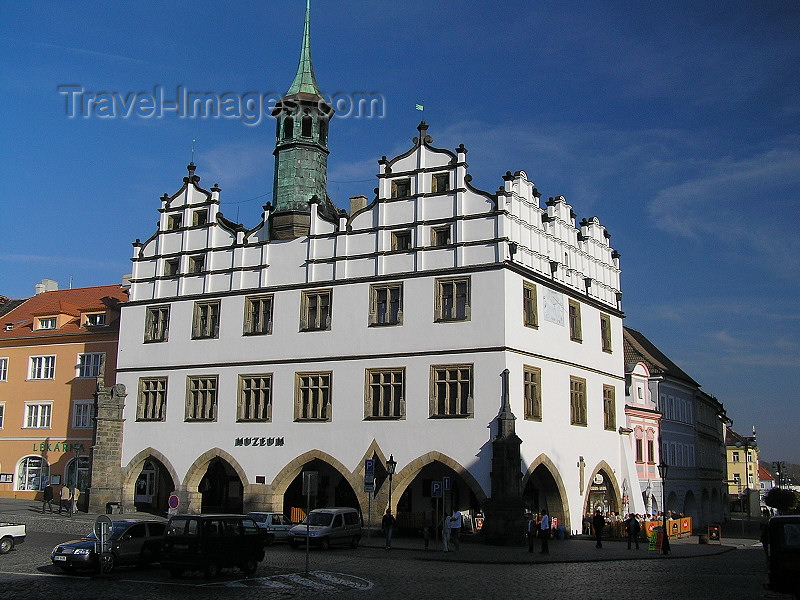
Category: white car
[275,526]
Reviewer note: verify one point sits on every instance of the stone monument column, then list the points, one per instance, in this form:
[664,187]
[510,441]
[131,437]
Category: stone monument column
[106,452]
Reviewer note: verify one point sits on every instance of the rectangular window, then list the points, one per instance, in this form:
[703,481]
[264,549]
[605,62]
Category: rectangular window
[401,240]
[47,323]
[401,188]
[197,264]
[313,397]
[174,222]
[156,326]
[199,217]
[82,414]
[151,404]
[206,320]
[386,304]
[316,310]
[385,397]
[734,457]
[451,391]
[37,416]
[533,393]
[2,413]
[171,267]
[258,315]
[201,399]
[255,398]
[530,309]
[577,401]
[453,299]
[609,408]
[440,182]
[96,320]
[43,367]
[440,236]
[575,321]
[605,332]
[3,369]
[90,365]
[639,450]
[651,452]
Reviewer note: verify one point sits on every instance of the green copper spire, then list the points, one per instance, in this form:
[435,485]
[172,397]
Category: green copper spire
[304,81]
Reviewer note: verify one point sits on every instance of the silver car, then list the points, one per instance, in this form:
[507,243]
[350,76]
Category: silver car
[325,526]
[275,526]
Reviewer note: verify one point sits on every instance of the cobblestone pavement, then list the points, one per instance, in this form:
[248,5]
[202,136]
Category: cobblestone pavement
[574,568]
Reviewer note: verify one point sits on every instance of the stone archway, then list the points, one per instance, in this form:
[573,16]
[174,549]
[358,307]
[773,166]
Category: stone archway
[603,490]
[165,480]
[542,487]
[212,469]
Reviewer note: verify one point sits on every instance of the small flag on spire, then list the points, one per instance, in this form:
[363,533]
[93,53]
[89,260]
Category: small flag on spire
[420,107]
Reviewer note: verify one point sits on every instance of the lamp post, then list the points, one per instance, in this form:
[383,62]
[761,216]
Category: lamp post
[391,465]
[746,444]
[778,467]
[662,472]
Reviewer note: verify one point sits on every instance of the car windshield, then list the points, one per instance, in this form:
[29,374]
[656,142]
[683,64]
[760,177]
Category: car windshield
[118,528]
[321,519]
[258,517]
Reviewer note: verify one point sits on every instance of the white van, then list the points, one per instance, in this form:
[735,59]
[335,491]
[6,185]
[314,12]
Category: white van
[326,526]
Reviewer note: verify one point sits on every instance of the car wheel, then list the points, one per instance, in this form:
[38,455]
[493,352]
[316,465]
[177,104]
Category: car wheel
[354,543]
[249,567]
[269,539]
[176,572]
[6,544]
[325,543]
[107,562]
[211,571]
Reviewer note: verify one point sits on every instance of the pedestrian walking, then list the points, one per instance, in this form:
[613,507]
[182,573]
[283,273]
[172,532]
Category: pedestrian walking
[544,529]
[446,533]
[426,536]
[455,528]
[48,497]
[530,530]
[64,499]
[387,524]
[632,528]
[598,522]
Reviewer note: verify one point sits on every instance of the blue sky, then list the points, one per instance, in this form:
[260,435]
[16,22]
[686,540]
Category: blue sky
[676,123]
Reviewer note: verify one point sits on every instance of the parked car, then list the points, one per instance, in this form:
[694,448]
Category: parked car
[326,526]
[782,543]
[209,543]
[275,526]
[11,534]
[132,543]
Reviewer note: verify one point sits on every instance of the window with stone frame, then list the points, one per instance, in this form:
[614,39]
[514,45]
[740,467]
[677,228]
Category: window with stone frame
[313,396]
[174,221]
[605,332]
[440,236]
[156,326]
[171,267]
[255,398]
[205,323]
[577,401]
[258,315]
[639,449]
[90,364]
[401,240]
[151,401]
[452,302]
[385,394]
[651,449]
[315,313]
[451,391]
[200,217]
[38,415]
[201,398]
[532,393]
[386,304]
[575,333]
[4,369]
[2,414]
[440,182]
[83,414]
[530,309]
[401,188]
[197,264]
[609,408]
[42,367]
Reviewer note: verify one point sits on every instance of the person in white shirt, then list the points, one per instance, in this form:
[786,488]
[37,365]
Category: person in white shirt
[455,528]
[544,526]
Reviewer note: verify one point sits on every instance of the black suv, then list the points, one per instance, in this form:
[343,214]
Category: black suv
[209,543]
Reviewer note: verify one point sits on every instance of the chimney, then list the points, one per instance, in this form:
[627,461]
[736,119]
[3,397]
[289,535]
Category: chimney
[47,285]
[357,203]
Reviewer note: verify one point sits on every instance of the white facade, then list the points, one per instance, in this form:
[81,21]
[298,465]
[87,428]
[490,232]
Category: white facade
[484,248]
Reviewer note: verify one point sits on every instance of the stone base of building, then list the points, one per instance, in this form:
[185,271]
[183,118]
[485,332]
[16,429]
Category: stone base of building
[504,523]
[99,497]
[289,226]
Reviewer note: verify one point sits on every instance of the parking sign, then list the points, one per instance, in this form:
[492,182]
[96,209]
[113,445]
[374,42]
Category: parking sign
[436,489]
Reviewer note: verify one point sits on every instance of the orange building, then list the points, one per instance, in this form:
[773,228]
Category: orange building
[53,348]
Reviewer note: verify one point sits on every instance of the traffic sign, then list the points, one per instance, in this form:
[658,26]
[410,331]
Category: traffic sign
[446,483]
[102,526]
[369,472]
[173,501]
[436,489]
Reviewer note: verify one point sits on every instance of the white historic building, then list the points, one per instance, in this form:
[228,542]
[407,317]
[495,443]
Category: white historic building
[320,338]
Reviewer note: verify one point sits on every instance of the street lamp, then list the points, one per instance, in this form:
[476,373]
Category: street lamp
[662,472]
[778,467]
[391,465]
